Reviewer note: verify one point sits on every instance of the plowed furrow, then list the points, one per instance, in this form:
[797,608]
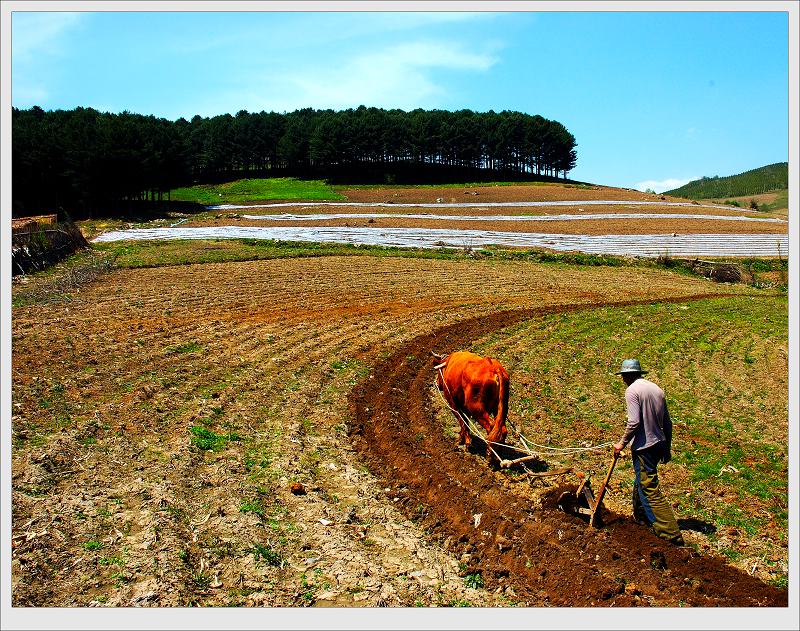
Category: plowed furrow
[547,556]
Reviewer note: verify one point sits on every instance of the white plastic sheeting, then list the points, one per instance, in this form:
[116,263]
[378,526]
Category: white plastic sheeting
[650,245]
[329,216]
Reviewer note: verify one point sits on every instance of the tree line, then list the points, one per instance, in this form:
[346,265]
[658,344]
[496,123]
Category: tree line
[83,161]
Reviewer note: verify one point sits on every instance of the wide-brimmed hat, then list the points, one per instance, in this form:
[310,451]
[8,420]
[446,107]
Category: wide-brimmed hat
[631,365]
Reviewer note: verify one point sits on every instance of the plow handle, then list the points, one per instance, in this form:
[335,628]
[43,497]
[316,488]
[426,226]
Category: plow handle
[603,486]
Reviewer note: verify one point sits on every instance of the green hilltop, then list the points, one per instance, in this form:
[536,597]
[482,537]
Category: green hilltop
[773,177]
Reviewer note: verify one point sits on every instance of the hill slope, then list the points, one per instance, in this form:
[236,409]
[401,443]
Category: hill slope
[762,180]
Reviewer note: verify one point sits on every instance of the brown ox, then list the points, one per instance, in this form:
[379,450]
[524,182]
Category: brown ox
[478,387]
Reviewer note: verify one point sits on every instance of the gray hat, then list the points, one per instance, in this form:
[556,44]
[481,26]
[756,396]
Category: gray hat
[631,365]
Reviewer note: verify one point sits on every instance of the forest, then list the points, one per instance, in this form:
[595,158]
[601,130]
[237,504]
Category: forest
[772,177]
[85,163]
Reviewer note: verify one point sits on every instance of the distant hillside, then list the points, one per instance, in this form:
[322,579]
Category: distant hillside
[769,178]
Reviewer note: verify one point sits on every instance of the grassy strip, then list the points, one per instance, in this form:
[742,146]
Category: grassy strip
[781,202]
[256,190]
[758,203]
[182,252]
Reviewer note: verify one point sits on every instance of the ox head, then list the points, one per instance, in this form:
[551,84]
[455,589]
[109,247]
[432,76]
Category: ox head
[439,361]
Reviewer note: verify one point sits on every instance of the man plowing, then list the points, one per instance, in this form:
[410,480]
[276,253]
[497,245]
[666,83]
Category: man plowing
[649,432]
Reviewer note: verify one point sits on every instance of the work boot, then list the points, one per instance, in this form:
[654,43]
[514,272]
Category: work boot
[677,541]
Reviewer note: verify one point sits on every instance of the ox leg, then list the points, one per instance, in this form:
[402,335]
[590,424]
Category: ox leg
[492,435]
[464,437]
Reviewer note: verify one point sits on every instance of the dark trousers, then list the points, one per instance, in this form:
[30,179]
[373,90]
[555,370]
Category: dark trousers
[649,505]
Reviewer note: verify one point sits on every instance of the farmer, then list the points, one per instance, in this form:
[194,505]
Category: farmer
[650,430]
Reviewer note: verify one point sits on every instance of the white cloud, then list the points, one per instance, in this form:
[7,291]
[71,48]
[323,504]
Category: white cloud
[659,186]
[34,33]
[399,76]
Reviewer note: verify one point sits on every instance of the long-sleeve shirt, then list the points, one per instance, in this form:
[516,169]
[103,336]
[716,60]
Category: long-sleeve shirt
[648,417]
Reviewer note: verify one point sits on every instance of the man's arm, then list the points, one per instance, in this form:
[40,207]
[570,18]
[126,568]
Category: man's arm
[667,426]
[667,435]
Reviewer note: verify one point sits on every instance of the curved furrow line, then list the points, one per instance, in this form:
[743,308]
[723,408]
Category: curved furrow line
[548,557]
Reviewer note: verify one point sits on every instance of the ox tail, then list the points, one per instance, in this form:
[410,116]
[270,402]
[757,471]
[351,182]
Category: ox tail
[500,430]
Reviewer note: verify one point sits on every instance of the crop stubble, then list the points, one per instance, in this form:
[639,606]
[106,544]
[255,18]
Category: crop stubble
[107,386]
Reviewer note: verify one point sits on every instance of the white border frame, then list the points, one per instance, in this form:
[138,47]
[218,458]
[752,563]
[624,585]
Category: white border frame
[199,619]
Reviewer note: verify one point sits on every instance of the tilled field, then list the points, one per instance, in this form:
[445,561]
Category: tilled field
[492,193]
[208,434]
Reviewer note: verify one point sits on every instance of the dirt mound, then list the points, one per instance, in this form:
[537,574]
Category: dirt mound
[546,556]
[38,243]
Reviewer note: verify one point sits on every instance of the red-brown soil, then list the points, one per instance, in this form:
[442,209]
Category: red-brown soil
[514,193]
[549,557]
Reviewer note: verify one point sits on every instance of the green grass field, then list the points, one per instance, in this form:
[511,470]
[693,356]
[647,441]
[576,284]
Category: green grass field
[256,190]
[184,252]
[776,201]
[723,365]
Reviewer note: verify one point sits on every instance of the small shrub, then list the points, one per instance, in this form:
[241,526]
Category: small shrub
[206,440]
[252,506]
[189,347]
[665,260]
[201,580]
[265,554]
[474,580]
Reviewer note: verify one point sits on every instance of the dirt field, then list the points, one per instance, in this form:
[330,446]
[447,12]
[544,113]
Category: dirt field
[389,196]
[265,434]
[513,193]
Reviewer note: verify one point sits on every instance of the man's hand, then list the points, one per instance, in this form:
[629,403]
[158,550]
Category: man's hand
[618,447]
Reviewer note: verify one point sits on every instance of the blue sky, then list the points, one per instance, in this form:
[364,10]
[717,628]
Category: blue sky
[653,99]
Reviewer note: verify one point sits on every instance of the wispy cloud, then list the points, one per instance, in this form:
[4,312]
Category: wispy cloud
[285,32]
[659,186]
[35,33]
[400,76]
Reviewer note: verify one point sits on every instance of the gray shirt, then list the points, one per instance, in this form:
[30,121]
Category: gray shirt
[648,418]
